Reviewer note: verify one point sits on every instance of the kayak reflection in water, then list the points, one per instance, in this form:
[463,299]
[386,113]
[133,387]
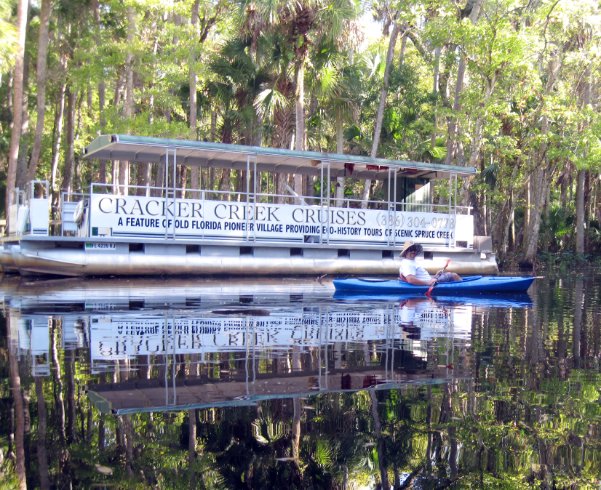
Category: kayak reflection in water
[413,273]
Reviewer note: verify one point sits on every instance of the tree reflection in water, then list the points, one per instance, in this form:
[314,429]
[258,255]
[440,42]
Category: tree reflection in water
[512,402]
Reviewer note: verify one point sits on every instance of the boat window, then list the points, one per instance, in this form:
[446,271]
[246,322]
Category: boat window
[136,247]
[70,245]
[246,251]
[296,252]
[343,252]
[192,249]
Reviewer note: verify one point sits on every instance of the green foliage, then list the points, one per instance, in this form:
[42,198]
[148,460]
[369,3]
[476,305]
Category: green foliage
[323,453]
[558,228]
[527,99]
[8,37]
[267,431]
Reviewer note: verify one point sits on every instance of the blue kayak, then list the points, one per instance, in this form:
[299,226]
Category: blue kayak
[469,285]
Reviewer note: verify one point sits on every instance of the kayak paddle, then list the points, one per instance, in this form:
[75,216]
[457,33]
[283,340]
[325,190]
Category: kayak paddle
[429,291]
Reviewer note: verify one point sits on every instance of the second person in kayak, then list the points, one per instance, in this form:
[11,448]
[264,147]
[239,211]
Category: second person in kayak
[413,273]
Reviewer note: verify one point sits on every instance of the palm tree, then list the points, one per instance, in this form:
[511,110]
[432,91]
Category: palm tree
[339,93]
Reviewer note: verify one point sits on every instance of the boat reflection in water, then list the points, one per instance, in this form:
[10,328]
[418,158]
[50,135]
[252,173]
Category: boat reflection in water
[173,345]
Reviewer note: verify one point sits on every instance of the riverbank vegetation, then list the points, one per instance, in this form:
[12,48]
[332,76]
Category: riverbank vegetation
[507,86]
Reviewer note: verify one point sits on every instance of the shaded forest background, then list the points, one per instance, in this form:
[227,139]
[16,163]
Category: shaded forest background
[507,86]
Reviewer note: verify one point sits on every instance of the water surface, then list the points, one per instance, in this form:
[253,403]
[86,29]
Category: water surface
[275,383]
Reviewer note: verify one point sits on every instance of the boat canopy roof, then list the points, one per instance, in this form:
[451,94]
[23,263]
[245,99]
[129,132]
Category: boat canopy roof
[141,149]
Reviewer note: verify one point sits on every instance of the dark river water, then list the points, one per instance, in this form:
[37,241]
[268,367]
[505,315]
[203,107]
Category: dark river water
[280,384]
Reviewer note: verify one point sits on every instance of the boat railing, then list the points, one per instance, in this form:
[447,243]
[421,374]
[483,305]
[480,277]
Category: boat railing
[274,198]
[80,215]
[263,197]
[29,210]
[433,208]
[17,213]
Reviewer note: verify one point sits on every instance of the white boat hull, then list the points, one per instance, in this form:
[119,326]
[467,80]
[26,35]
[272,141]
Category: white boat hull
[68,258]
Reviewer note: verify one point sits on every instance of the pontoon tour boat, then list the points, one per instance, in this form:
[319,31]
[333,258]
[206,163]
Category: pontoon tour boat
[255,226]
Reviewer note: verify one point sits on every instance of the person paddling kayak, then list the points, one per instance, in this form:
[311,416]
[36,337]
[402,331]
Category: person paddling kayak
[413,273]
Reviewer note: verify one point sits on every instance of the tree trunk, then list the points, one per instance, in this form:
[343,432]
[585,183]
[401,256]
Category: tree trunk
[510,217]
[380,443]
[454,148]
[537,184]
[296,437]
[129,92]
[102,175]
[41,435]
[384,91]
[127,443]
[67,185]
[585,96]
[193,79]
[19,406]
[539,181]
[340,183]
[579,302]
[57,131]
[70,395]
[15,134]
[101,433]
[59,404]
[41,69]
[191,448]
[382,105]
[299,106]
[580,211]
[453,131]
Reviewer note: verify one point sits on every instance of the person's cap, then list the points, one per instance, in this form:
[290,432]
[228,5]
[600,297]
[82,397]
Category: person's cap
[411,246]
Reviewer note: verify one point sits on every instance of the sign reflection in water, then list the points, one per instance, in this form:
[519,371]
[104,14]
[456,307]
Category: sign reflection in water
[206,347]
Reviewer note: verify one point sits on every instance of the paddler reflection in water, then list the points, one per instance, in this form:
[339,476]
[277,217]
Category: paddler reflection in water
[410,309]
[413,273]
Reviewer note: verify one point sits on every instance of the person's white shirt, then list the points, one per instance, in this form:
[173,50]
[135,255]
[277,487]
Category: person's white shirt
[411,311]
[412,268]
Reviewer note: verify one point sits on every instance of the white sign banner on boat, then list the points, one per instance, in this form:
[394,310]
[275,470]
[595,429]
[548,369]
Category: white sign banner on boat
[142,216]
